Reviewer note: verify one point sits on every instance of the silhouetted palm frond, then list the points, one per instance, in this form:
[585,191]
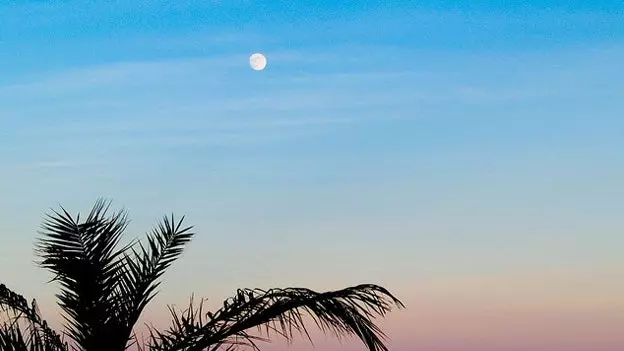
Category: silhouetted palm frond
[15,338]
[104,289]
[84,260]
[24,329]
[349,311]
[142,268]
[12,339]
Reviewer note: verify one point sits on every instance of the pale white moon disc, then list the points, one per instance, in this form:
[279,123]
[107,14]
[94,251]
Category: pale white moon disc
[257,62]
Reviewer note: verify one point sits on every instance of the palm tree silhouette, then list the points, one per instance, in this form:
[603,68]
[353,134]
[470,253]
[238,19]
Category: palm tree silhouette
[105,287]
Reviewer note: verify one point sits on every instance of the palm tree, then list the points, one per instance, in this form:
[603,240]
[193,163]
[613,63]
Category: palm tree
[106,286]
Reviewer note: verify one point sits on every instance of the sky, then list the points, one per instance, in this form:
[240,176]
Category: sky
[468,156]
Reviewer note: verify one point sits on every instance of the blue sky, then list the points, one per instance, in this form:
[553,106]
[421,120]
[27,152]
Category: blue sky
[447,139]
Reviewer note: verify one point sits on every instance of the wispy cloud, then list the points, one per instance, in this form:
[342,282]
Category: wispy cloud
[154,73]
[46,164]
[217,100]
[118,74]
[30,163]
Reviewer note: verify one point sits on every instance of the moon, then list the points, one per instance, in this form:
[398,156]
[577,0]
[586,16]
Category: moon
[257,62]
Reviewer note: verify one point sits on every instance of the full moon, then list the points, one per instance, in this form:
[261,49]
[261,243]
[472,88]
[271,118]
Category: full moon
[257,62]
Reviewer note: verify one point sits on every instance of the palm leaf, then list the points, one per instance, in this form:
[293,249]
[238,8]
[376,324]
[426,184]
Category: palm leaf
[142,267]
[83,259]
[12,339]
[39,336]
[344,312]
[104,289]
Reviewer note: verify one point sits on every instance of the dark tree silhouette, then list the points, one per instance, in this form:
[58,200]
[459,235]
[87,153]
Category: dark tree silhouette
[106,286]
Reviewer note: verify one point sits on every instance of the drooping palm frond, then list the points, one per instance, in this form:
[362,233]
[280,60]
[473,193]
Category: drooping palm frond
[84,260]
[20,335]
[344,312]
[12,339]
[24,329]
[104,289]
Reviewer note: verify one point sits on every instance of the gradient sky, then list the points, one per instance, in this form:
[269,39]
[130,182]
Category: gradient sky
[469,156]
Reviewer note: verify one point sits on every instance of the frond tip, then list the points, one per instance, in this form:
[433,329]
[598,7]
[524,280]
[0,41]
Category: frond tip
[345,312]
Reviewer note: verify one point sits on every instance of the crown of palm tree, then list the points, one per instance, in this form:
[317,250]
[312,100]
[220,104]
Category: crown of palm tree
[105,288]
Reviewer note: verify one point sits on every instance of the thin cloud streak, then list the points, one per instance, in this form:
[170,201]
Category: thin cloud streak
[163,99]
[46,164]
[117,74]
